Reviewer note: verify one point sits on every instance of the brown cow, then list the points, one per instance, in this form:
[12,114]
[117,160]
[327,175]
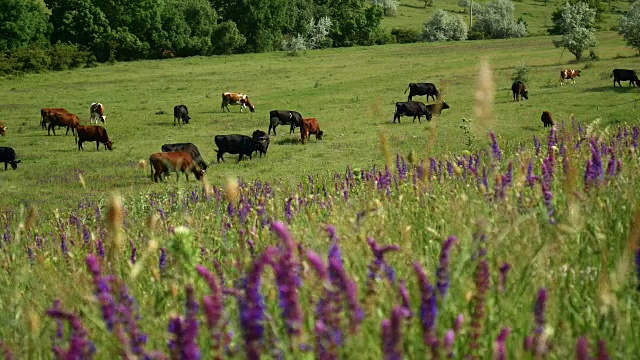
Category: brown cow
[229,98]
[546,119]
[93,133]
[310,126]
[519,90]
[63,119]
[163,162]
[3,130]
[569,75]
[46,113]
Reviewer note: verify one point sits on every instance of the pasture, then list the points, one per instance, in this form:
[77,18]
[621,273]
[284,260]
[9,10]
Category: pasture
[545,255]
[350,91]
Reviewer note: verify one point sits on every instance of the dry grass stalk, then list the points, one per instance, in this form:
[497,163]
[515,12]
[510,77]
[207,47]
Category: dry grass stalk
[484,95]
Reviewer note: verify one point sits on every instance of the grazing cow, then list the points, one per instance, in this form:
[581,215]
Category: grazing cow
[418,89]
[97,112]
[519,91]
[93,133]
[229,98]
[46,113]
[625,75]
[8,156]
[436,109]
[310,126]
[411,108]
[546,119]
[164,162]
[262,137]
[237,144]
[568,75]
[63,119]
[180,113]
[188,148]
[3,130]
[283,117]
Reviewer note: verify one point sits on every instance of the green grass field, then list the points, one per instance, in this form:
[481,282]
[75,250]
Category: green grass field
[571,234]
[350,91]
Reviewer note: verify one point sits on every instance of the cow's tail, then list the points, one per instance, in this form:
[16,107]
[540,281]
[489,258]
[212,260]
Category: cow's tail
[409,86]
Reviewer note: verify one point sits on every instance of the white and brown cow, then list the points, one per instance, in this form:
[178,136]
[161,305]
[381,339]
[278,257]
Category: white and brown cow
[3,129]
[230,98]
[569,75]
[97,113]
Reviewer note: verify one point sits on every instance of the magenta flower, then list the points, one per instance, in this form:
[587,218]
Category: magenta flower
[495,149]
[582,349]
[504,269]
[442,272]
[213,309]
[184,344]
[602,350]
[428,305]
[449,339]
[404,296]
[102,292]
[379,263]
[500,350]
[80,347]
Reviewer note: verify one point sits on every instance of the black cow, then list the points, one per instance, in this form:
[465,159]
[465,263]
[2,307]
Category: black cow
[411,108]
[437,108]
[180,113]
[519,91]
[188,148]
[263,137]
[283,117]
[237,144]
[8,156]
[625,75]
[419,89]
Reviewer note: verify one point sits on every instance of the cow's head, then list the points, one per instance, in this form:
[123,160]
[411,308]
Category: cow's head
[525,94]
[198,172]
[248,103]
[14,164]
[319,136]
[109,145]
[103,119]
[576,72]
[186,119]
[3,130]
[445,106]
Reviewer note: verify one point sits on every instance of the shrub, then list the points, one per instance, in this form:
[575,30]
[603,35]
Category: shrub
[576,25]
[477,7]
[444,26]
[404,36]
[520,72]
[496,21]
[390,6]
[629,26]
[67,56]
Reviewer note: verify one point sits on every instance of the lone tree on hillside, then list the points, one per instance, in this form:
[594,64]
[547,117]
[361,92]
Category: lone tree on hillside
[630,26]
[577,27]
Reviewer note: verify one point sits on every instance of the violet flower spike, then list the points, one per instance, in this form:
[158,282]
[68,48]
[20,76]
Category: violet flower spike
[442,272]
[80,347]
[602,350]
[482,280]
[102,292]
[495,149]
[582,349]
[499,352]
[404,296]
[504,269]
[392,335]
[448,341]
[213,307]
[428,304]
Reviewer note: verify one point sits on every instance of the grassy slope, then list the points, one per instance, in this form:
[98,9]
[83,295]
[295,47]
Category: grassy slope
[351,91]
[537,13]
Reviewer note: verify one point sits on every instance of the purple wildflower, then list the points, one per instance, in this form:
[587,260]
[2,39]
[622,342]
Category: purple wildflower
[184,344]
[80,347]
[213,308]
[449,339]
[391,334]
[288,280]
[428,305]
[504,269]
[582,349]
[379,263]
[638,266]
[162,262]
[545,184]
[127,314]
[536,144]
[442,272]
[404,296]
[102,291]
[499,346]
[482,281]
[531,179]
[134,252]
[457,324]
[495,149]
[8,355]
[252,306]
[348,289]
[634,137]
[602,350]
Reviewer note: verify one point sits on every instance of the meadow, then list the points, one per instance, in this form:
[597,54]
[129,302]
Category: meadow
[382,240]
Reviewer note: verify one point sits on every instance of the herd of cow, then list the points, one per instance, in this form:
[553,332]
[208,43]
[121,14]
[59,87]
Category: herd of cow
[185,157]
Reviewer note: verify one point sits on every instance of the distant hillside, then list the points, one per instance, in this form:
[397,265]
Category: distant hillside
[537,13]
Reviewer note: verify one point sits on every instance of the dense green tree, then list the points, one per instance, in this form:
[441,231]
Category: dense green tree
[630,26]
[354,21]
[187,27]
[22,23]
[261,22]
[577,28]
[80,22]
[597,5]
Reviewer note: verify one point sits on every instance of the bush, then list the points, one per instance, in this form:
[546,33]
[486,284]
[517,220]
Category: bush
[390,6]
[67,56]
[31,59]
[444,26]
[577,26]
[496,21]
[477,7]
[629,26]
[405,36]
[521,73]
[34,59]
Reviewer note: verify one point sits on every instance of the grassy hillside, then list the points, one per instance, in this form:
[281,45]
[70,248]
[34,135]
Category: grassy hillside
[537,13]
[350,91]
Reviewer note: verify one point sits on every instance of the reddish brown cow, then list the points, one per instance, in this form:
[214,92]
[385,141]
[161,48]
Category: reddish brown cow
[46,114]
[63,119]
[229,98]
[310,126]
[164,162]
[546,118]
[3,130]
[569,75]
[93,133]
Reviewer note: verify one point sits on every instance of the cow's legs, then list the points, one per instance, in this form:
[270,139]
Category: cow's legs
[97,145]
[80,145]
[51,127]
[240,157]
